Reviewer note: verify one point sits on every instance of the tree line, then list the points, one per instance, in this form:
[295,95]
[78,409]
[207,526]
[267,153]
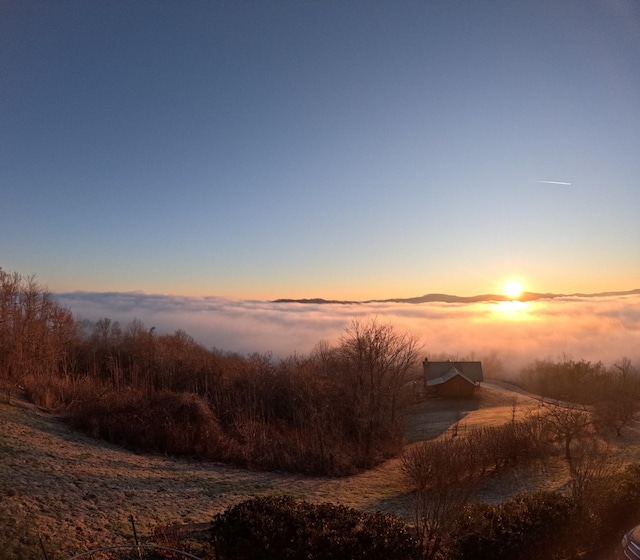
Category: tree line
[335,411]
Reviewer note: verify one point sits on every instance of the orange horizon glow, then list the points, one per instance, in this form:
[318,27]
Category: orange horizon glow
[513,289]
[514,309]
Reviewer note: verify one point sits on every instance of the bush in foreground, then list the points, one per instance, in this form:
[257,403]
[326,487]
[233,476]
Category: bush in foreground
[528,527]
[535,525]
[281,528]
[614,502]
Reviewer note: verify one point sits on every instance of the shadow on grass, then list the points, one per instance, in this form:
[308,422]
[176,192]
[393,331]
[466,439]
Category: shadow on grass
[435,416]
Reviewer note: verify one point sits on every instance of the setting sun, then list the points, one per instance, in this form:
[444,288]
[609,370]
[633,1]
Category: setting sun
[513,289]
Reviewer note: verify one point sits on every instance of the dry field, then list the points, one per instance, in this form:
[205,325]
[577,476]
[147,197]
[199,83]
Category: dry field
[76,493]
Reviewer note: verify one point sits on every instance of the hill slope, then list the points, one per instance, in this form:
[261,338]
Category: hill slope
[78,493]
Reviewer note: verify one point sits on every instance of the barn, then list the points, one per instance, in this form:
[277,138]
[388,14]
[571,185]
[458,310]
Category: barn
[452,379]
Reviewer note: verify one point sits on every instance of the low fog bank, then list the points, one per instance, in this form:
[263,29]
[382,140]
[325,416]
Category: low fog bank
[592,328]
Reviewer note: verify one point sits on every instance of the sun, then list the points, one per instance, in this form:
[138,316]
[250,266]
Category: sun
[513,289]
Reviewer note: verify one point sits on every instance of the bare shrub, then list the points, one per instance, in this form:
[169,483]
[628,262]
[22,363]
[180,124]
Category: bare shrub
[7,388]
[174,423]
[444,473]
[567,422]
[61,392]
[536,429]
[498,446]
[591,459]
[616,413]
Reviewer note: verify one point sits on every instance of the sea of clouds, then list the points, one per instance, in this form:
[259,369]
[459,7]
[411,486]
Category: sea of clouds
[592,328]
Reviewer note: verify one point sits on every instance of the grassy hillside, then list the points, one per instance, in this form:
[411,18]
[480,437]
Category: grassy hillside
[77,493]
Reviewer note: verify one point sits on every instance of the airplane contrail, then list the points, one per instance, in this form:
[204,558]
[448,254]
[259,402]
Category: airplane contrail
[556,183]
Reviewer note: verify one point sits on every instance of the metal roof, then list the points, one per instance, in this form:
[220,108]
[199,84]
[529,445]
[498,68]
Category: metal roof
[471,371]
[449,375]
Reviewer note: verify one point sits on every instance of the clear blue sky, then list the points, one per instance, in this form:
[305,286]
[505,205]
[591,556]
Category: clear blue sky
[336,149]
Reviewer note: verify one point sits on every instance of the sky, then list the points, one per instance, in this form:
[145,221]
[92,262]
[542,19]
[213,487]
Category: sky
[251,150]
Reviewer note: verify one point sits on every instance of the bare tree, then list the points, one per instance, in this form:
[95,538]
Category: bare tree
[567,421]
[619,406]
[375,362]
[36,334]
[617,413]
[625,368]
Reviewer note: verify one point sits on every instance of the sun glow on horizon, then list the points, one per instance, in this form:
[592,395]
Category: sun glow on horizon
[512,289]
[513,309]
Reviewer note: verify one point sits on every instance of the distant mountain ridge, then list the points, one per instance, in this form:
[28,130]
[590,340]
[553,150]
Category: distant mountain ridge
[446,298]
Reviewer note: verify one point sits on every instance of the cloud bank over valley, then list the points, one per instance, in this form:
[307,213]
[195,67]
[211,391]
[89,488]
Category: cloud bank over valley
[593,328]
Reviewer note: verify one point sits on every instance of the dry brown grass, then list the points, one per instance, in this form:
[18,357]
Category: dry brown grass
[78,493]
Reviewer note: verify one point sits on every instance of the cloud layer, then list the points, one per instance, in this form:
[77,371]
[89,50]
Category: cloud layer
[593,328]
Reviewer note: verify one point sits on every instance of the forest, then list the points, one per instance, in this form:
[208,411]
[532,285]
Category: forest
[335,411]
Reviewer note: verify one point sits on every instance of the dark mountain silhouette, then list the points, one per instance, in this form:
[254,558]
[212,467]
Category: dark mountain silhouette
[315,300]
[445,298]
